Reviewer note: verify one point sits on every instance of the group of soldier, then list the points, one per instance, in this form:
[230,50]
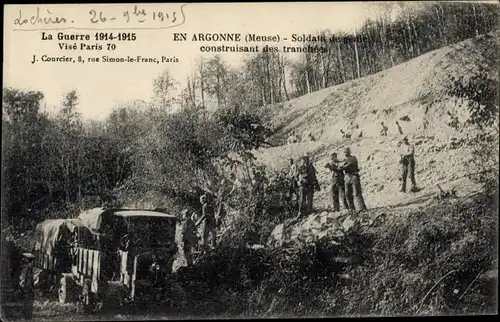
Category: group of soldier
[294,138]
[211,220]
[345,183]
[384,128]
[345,190]
[359,133]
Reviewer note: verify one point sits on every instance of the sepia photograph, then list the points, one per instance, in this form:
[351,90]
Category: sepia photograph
[165,161]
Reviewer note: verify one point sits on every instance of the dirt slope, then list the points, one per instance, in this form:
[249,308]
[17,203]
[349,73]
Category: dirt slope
[412,93]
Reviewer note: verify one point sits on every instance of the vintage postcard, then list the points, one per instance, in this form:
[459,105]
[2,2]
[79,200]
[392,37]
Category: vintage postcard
[249,160]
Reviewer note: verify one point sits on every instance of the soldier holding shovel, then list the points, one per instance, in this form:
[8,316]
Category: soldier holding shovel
[353,188]
[338,183]
[407,162]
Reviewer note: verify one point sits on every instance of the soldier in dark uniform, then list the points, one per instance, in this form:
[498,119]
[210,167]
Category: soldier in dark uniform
[208,217]
[308,184]
[338,183]
[352,181]
[26,284]
[189,238]
[11,264]
[407,162]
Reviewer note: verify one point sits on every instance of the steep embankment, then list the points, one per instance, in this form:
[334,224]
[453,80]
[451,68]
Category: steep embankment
[412,93]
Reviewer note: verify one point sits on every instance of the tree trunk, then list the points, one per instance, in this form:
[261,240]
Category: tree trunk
[307,81]
[342,70]
[475,19]
[410,38]
[357,57]
[202,87]
[80,197]
[218,91]
[383,36]
[66,181]
[444,36]
[284,77]
[269,81]
[416,37]
[263,96]
[189,93]
[193,82]
[323,69]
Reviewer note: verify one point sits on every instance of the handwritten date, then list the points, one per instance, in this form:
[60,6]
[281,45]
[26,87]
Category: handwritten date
[138,14]
[41,17]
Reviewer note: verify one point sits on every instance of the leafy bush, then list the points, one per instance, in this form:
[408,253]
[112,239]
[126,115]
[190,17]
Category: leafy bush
[481,93]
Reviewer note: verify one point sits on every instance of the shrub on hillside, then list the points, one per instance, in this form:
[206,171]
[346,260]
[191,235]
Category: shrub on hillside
[424,263]
[427,262]
[481,93]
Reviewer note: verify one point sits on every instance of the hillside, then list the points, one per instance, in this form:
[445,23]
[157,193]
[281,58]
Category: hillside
[412,93]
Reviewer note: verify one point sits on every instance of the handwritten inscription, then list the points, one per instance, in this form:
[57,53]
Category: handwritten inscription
[44,17]
[133,16]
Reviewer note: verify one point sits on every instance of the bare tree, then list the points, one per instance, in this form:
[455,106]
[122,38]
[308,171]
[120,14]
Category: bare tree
[165,89]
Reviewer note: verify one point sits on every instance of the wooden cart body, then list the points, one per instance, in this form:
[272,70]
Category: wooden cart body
[106,246]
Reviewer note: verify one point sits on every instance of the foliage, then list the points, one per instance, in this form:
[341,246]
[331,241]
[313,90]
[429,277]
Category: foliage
[390,269]
[243,129]
[165,89]
[481,93]
[58,160]
[385,42]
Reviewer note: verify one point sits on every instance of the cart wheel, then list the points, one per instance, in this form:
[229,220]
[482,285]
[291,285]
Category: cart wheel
[85,296]
[63,290]
[66,288]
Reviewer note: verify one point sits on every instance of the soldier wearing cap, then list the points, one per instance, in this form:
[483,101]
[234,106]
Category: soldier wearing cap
[208,217]
[308,184]
[352,181]
[26,284]
[407,162]
[189,237]
[338,183]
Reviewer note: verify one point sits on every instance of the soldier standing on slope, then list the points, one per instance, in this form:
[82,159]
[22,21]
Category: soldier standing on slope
[383,131]
[292,184]
[407,162]
[27,288]
[207,216]
[400,129]
[189,238]
[308,183]
[352,181]
[357,130]
[338,183]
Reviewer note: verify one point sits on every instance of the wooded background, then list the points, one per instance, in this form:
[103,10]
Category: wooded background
[58,162]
